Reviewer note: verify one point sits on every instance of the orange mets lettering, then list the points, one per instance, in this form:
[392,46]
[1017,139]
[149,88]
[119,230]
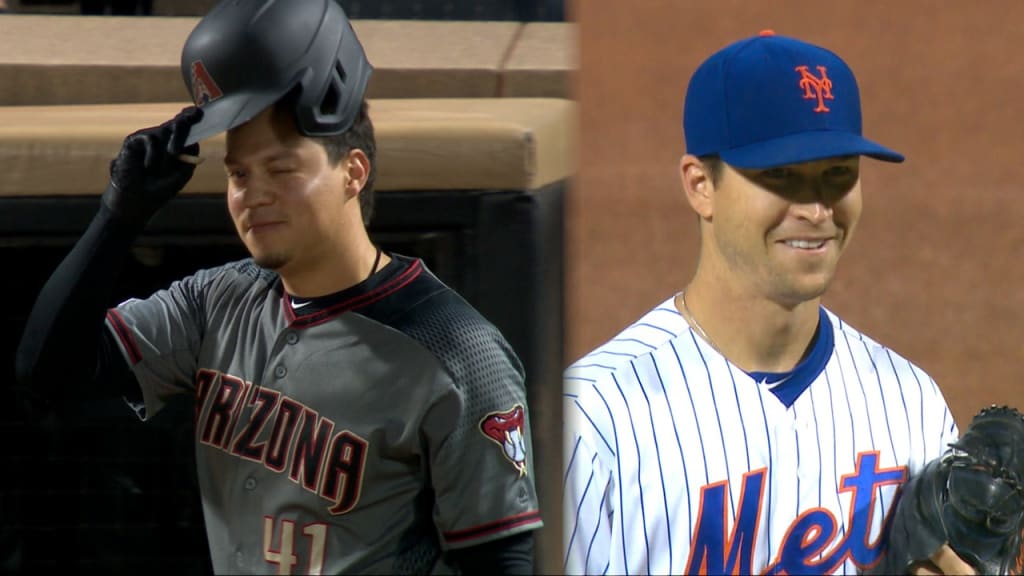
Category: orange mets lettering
[1019,565]
[816,542]
[814,529]
[710,540]
[820,88]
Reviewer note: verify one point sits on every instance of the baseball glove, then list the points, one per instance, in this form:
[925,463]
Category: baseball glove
[972,497]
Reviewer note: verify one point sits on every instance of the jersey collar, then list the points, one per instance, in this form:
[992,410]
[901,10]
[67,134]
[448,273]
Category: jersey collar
[788,386]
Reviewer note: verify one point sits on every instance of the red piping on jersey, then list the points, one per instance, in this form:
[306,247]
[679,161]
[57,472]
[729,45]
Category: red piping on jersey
[382,291]
[125,335]
[493,527]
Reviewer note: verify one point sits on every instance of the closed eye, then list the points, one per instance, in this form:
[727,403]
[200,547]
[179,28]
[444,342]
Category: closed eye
[775,174]
[281,169]
[839,172]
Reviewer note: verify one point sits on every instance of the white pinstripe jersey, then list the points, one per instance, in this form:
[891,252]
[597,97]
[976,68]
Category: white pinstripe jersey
[678,462]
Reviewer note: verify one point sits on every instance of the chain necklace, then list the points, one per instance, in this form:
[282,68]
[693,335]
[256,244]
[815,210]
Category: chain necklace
[376,262]
[692,321]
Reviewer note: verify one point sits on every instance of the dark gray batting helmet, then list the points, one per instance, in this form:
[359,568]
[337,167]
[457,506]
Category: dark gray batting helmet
[245,55]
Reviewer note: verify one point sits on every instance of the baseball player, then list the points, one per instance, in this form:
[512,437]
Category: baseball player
[740,427]
[352,413]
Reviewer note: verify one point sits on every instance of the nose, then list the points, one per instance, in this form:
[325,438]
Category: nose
[816,212]
[813,204]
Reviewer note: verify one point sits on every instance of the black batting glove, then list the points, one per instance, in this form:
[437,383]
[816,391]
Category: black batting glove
[148,172]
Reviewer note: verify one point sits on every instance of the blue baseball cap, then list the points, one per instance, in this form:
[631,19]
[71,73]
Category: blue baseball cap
[771,100]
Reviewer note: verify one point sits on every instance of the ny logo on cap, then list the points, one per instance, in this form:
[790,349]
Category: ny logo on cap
[813,87]
[204,89]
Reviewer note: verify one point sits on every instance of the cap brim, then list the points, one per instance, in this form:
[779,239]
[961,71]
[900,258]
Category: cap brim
[228,112]
[806,147]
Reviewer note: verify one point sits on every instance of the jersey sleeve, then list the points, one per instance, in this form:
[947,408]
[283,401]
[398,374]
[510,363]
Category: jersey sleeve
[478,434]
[937,426]
[944,425]
[159,336]
[587,493]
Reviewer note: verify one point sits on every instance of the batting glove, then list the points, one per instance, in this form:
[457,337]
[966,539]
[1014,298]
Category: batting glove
[148,171]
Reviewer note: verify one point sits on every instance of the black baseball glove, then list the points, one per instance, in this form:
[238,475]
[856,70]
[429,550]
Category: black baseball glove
[971,498]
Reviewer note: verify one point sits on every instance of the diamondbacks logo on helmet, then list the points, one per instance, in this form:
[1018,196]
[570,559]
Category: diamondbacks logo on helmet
[204,89]
[506,429]
[815,87]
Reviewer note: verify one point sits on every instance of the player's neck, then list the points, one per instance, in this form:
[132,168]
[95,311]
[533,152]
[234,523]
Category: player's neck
[343,263]
[753,332]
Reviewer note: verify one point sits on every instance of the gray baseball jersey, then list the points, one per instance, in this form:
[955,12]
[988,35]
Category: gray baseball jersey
[366,435]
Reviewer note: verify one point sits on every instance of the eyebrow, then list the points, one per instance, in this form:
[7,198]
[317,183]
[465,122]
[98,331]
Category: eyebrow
[286,154]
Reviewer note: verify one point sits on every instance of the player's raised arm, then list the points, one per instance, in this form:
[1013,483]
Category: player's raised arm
[63,341]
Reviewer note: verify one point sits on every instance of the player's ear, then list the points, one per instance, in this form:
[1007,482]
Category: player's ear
[698,185]
[357,166]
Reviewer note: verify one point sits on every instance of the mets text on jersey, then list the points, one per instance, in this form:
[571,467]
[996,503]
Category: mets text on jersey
[715,551]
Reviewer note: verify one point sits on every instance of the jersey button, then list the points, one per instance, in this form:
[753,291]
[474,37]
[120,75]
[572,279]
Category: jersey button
[280,371]
[250,483]
[291,338]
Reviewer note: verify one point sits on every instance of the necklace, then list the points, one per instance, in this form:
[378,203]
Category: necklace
[376,262]
[302,302]
[688,316]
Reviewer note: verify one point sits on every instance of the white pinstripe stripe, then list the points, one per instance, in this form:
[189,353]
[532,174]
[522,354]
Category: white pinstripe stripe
[647,433]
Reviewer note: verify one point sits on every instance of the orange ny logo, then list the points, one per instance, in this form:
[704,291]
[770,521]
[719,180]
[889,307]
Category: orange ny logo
[820,88]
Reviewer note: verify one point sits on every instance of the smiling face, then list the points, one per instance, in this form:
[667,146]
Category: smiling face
[778,232]
[290,205]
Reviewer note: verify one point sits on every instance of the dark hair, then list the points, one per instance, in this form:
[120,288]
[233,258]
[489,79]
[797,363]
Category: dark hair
[359,135]
[713,166]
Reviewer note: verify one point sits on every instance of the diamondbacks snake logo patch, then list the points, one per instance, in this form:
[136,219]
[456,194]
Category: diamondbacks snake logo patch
[204,89]
[506,429]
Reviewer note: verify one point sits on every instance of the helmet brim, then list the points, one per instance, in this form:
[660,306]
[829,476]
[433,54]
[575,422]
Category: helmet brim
[228,112]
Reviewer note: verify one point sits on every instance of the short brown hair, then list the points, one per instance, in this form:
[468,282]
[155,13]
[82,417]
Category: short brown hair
[713,166]
[359,136]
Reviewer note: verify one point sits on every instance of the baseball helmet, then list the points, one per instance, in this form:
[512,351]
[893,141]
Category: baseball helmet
[245,55]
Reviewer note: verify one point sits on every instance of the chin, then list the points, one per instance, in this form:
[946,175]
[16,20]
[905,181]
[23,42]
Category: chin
[270,261]
[813,289]
[798,291]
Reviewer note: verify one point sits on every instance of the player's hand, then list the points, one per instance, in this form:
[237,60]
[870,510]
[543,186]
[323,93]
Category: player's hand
[944,561]
[148,170]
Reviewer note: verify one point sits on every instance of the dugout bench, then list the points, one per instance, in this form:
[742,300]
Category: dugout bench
[475,154]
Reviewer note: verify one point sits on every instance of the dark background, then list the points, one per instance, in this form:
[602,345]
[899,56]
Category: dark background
[518,10]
